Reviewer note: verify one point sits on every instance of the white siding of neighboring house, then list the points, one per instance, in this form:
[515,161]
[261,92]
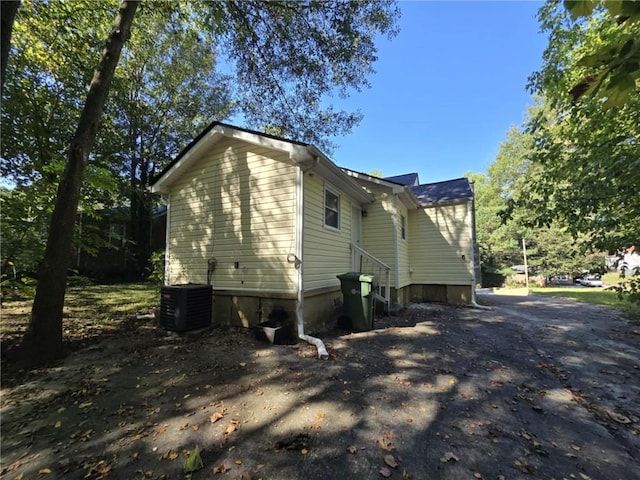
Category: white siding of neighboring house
[378,227]
[439,237]
[236,204]
[326,252]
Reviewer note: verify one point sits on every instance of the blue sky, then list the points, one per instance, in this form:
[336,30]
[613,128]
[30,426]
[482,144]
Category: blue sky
[446,91]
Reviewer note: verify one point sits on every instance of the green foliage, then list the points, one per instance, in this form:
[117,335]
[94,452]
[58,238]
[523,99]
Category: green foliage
[609,68]
[156,270]
[503,221]
[282,63]
[14,287]
[630,289]
[585,176]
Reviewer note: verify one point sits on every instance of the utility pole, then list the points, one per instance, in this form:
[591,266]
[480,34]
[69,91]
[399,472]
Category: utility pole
[526,268]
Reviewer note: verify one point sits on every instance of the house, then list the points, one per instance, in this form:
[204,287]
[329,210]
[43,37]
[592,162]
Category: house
[271,222]
[425,233]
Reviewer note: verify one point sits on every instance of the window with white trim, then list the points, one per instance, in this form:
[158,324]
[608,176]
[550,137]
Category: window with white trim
[331,209]
[403,227]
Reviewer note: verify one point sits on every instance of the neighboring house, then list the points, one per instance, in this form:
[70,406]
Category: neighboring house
[113,257]
[271,222]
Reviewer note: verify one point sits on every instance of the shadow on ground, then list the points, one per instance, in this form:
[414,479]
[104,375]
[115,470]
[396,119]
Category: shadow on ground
[534,388]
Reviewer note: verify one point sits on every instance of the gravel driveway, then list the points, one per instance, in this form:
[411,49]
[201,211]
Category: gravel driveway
[535,388]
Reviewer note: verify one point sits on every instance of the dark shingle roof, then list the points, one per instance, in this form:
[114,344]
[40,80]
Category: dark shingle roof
[409,179]
[443,192]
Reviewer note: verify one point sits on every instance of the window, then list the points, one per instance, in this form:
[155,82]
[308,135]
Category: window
[331,209]
[403,227]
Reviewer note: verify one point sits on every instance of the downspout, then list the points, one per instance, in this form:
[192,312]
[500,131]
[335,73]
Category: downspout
[322,351]
[396,267]
[472,257]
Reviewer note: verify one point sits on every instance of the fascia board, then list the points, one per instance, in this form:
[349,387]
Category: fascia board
[189,158]
[338,178]
[370,179]
[212,137]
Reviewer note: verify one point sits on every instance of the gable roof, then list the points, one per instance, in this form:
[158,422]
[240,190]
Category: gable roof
[449,191]
[409,179]
[304,155]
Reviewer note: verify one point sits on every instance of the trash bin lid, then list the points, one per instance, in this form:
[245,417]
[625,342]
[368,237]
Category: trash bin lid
[358,277]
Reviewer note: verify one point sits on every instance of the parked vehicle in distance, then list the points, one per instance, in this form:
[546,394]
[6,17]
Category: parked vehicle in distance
[591,282]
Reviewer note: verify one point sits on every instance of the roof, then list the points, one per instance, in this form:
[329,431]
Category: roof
[208,129]
[409,179]
[448,191]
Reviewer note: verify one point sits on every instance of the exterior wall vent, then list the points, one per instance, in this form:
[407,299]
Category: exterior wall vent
[185,307]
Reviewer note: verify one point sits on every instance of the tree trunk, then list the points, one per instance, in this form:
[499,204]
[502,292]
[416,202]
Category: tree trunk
[8,9]
[43,339]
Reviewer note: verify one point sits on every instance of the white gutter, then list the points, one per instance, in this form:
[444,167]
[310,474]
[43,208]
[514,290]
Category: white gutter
[322,351]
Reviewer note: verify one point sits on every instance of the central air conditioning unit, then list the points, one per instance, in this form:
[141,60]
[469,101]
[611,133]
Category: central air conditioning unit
[185,307]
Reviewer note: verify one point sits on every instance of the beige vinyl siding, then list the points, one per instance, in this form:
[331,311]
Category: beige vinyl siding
[439,237]
[326,251]
[378,227]
[404,260]
[236,204]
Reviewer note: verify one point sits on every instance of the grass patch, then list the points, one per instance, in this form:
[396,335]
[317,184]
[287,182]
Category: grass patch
[101,303]
[597,296]
[90,312]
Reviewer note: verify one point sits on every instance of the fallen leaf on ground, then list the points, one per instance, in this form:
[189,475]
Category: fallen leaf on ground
[477,475]
[44,471]
[304,451]
[523,467]
[173,455]
[220,468]
[385,472]
[193,462]
[620,418]
[449,457]
[389,460]
[215,417]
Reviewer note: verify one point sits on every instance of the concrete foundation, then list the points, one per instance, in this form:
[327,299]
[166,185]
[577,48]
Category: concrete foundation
[322,308]
[451,294]
[247,309]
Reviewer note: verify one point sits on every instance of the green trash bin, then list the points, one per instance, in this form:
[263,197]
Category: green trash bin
[358,290]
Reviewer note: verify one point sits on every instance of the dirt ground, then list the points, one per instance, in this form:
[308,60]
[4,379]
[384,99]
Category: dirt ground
[535,388]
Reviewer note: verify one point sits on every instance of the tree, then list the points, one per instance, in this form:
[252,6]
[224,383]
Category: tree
[157,106]
[8,10]
[43,339]
[611,67]
[551,249]
[585,153]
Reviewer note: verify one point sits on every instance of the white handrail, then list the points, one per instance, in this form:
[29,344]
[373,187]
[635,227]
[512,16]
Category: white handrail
[359,256]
